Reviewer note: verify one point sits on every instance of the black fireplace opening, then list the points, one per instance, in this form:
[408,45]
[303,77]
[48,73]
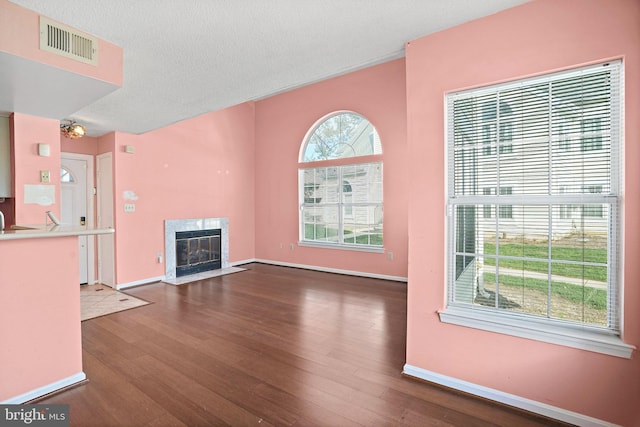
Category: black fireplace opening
[198,251]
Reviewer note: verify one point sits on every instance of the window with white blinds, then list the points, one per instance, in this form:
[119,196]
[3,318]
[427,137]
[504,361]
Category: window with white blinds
[534,184]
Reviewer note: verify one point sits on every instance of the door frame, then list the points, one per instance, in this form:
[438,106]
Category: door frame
[90,220]
[106,259]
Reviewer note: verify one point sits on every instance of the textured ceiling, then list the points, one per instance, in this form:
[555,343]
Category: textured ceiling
[186,58]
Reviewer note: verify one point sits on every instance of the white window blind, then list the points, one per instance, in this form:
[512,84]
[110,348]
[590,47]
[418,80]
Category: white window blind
[534,184]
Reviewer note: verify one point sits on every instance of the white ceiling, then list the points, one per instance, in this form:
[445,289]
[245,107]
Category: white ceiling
[186,58]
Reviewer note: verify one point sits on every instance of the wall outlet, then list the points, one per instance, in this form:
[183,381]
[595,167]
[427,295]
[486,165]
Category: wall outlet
[159,257]
[45,176]
[291,246]
[390,256]
[129,207]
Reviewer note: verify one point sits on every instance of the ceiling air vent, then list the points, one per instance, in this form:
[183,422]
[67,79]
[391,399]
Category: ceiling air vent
[68,42]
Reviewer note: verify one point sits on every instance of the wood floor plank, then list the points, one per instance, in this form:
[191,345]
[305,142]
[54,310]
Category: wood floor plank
[267,346]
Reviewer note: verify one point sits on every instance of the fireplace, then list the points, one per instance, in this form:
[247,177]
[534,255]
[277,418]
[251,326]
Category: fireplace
[197,251]
[195,245]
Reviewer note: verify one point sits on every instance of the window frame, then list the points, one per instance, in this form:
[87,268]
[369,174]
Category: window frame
[340,204]
[67,176]
[572,334]
[344,199]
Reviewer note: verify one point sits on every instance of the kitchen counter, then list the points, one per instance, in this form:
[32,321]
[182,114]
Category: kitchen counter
[39,231]
[41,350]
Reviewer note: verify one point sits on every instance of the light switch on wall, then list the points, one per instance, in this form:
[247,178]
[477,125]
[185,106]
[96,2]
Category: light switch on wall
[129,207]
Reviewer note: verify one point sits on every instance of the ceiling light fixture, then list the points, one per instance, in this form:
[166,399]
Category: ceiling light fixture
[72,130]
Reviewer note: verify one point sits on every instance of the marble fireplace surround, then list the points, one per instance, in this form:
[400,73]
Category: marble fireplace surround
[173,225]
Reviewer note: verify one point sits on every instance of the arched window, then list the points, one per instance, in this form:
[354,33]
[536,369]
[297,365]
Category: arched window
[341,135]
[341,202]
[66,176]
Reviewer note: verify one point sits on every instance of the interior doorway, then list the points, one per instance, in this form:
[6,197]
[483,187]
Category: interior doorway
[76,206]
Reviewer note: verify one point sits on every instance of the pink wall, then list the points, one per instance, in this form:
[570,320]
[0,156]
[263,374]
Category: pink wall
[106,143]
[242,163]
[39,314]
[203,167]
[23,25]
[86,145]
[282,121]
[27,132]
[537,37]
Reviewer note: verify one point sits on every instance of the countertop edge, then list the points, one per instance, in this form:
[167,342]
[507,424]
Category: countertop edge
[55,231]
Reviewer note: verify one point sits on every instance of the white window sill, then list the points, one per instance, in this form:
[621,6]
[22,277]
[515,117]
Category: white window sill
[359,248]
[538,329]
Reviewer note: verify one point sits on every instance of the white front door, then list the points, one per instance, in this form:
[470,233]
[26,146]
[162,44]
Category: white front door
[76,178]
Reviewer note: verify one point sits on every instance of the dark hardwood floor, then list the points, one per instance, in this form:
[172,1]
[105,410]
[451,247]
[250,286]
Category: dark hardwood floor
[267,346]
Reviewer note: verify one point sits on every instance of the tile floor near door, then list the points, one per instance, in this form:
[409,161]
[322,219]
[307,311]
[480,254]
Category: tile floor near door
[98,300]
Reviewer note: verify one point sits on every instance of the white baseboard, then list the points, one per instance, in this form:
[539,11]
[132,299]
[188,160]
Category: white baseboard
[139,282]
[163,278]
[283,264]
[246,261]
[506,398]
[334,270]
[44,390]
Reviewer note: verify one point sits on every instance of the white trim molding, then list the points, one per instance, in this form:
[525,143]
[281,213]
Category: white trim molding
[334,270]
[505,398]
[539,330]
[241,262]
[44,390]
[139,282]
[282,264]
